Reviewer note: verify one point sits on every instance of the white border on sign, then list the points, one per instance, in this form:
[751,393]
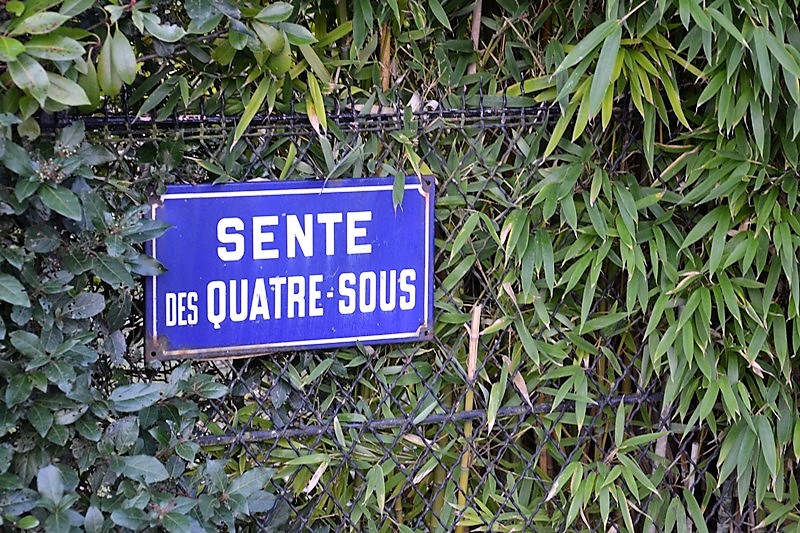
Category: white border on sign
[275,192]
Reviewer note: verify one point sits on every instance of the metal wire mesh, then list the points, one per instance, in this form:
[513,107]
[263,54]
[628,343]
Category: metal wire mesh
[323,419]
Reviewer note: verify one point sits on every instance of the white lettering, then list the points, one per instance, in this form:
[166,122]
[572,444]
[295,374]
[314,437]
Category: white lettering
[347,305]
[367,292]
[314,294]
[299,235]
[407,289]
[215,303]
[260,304]
[170,306]
[240,314]
[277,283]
[354,232]
[261,237]
[388,290]
[236,239]
[295,296]
[329,220]
[191,304]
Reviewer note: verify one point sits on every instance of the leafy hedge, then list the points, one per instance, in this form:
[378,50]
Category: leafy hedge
[695,219]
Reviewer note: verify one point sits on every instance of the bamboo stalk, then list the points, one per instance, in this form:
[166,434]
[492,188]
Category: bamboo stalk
[476,33]
[386,57]
[472,363]
[440,474]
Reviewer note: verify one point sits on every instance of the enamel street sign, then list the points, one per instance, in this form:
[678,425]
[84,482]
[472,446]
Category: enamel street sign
[259,267]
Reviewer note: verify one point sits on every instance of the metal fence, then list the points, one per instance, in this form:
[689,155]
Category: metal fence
[403,437]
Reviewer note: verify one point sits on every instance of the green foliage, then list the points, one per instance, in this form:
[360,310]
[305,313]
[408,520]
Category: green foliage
[692,229]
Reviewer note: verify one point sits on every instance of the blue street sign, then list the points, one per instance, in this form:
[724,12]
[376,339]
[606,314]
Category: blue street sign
[260,267]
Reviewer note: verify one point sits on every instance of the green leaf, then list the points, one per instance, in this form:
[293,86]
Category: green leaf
[604,70]
[10,48]
[376,485]
[41,418]
[767,444]
[319,106]
[142,468]
[250,482]
[61,200]
[107,76]
[86,305]
[112,270]
[136,396]
[177,523]
[130,518]
[727,25]
[12,291]
[588,44]
[169,33]
[58,522]
[251,109]
[275,12]
[297,34]
[93,521]
[65,91]
[123,58]
[763,60]
[28,522]
[39,23]
[54,47]
[28,75]
[440,14]
[780,52]
[50,484]
[18,390]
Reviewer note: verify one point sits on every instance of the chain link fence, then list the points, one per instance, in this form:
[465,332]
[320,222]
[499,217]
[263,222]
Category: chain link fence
[486,427]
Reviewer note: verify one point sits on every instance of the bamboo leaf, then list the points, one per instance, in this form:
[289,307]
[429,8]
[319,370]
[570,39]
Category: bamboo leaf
[250,110]
[604,69]
[588,44]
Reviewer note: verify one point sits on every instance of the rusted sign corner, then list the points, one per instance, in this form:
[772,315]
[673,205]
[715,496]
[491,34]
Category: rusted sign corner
[155,348]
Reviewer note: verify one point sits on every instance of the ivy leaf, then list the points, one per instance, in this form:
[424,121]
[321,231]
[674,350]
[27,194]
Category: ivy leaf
[61,200]
[12,291]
